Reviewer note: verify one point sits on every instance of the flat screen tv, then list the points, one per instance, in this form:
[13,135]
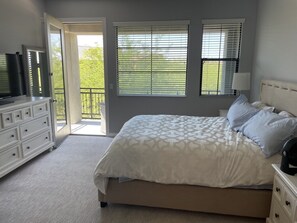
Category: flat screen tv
[12,81]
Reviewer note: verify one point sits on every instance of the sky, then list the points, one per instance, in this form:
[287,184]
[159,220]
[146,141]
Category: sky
[90,40]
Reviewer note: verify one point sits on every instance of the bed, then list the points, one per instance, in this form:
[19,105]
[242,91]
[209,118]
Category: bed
[221,189]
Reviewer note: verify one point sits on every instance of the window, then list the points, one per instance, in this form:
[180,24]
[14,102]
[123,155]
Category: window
[152,59]
[220,56]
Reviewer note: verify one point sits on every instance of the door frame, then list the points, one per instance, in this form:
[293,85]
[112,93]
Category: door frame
[65,131]
[104,29]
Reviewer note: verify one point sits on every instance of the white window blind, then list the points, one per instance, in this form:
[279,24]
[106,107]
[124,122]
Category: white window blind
[152,59]
[4,76]
[220,57]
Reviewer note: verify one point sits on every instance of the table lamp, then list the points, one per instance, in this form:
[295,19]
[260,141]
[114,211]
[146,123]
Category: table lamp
[241,82]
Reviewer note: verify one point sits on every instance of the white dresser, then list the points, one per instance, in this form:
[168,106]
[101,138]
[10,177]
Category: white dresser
[25,131]
[284,198]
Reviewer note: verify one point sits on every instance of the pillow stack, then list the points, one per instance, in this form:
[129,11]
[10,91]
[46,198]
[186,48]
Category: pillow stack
[262,106]
[267,129]
[239,112]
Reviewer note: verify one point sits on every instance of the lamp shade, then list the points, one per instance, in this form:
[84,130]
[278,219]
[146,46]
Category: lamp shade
[241,81]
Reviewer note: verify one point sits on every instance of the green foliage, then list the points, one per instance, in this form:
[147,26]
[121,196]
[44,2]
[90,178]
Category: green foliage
[57,69]
[91,68]
[211,77]
[147,70]
[144,72]
[91,76]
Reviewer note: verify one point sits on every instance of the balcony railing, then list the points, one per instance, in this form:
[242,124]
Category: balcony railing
[91,100]
[60,104]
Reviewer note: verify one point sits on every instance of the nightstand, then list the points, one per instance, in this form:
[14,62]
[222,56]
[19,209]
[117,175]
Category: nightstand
[284,198]
[223,112]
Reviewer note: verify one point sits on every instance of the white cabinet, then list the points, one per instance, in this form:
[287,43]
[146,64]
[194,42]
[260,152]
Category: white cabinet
[284,198]
[25,131]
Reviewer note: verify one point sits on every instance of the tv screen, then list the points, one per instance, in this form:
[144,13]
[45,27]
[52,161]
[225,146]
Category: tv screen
[11,75]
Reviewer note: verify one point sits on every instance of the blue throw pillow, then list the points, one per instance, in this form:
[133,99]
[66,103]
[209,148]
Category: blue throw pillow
[239,112]
[270,131]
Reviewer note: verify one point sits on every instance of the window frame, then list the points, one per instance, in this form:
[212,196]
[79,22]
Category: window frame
[152,24]
[219,59]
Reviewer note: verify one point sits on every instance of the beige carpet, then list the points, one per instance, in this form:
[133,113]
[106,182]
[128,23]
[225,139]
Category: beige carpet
[58,187]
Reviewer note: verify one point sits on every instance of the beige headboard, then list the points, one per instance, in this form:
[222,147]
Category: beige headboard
[281,95]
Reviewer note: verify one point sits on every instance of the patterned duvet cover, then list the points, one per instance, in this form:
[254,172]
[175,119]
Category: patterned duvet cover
[173,149]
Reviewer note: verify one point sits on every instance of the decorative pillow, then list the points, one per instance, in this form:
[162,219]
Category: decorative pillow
[269,130]
[286,114]
[239,112]
[258,104]
[263,106]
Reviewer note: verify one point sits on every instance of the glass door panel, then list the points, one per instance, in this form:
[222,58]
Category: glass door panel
[58,76]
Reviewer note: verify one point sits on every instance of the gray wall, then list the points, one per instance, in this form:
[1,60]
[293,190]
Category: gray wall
[276,43]
[20,23]
[123,108]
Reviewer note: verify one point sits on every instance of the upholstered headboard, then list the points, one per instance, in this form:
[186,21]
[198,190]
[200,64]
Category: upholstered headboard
[281,95]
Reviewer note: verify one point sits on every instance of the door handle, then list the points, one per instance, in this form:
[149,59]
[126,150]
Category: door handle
[54,100]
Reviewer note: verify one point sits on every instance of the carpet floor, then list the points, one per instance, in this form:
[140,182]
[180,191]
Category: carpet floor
[58,187]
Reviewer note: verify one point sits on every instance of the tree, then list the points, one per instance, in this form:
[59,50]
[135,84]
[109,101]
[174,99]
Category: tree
[92,68]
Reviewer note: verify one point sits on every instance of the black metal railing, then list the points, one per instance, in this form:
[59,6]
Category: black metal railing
[60,104]
[91,102]
[210,92]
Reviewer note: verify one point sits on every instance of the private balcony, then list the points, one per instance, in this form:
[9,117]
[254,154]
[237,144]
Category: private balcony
[87,114]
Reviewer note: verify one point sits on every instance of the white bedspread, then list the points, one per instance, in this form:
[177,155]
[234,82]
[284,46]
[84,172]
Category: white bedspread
[190,150]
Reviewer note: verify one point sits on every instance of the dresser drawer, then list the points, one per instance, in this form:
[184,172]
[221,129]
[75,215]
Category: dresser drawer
[9,157]
[277,215]
[34,126]
[278,188]
[34,144]
[27,113]
[40,109]
[17,116]
[288,202]
[7,119]
[8,137]
[11,117]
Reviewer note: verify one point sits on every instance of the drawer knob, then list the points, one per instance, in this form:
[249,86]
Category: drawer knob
[46,137]
[44,122]
[288,203]
[26,130]
[7,119]
[28,147]
[27,113]
[277,189]
[40,109]
[276,215]
[13,154]
[12,136]
[18,116]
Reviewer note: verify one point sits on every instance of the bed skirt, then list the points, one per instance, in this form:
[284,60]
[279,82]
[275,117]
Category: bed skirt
[231,201]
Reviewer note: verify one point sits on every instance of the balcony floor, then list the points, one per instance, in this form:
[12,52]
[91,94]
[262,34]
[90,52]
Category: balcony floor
[87,127]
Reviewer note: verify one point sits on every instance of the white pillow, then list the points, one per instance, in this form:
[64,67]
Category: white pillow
[258,104]
[262,106]
[269,130]
[286,114]
[239,112]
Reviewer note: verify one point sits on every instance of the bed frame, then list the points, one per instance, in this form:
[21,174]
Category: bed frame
[232,201]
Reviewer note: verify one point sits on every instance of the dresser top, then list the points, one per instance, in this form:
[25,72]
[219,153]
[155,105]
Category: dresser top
[291,181]
[22,101]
